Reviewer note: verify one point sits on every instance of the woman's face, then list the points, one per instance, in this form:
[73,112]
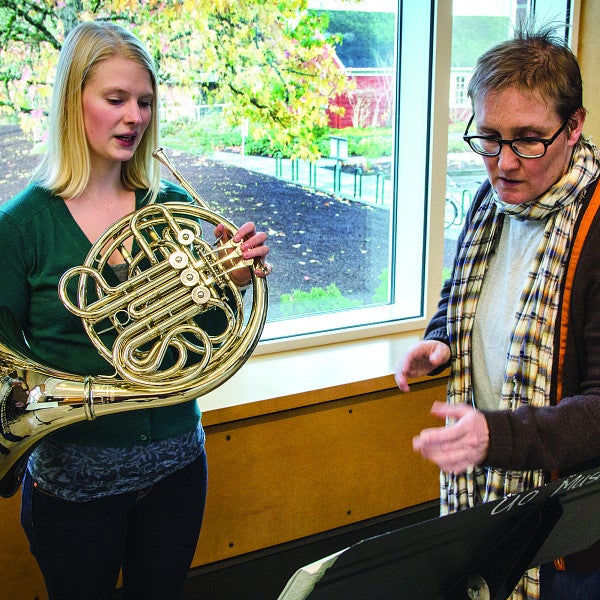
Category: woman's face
[508,114]
[117,107]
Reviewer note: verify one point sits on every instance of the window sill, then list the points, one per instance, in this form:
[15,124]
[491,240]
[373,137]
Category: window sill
[270,383]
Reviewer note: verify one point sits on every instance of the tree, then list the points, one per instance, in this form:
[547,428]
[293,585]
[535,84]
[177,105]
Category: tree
[472,36]
[364,39]
[269,62]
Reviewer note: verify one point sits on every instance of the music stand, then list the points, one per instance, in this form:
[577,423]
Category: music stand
[479,553]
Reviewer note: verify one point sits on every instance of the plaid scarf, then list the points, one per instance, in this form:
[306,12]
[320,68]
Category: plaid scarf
[529,361]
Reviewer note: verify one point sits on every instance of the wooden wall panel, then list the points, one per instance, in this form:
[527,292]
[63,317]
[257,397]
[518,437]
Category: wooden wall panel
[285,476]
[20,578]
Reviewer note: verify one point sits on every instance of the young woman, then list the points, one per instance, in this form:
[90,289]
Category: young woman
[126,491]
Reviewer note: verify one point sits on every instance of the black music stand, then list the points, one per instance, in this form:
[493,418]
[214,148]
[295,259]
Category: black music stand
[477,553]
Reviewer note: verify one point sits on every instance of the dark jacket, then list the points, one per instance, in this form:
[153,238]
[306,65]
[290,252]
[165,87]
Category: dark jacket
[565,437]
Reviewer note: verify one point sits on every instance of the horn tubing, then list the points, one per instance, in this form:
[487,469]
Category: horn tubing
[157,306]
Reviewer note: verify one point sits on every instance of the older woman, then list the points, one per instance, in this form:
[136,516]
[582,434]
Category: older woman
[518,320]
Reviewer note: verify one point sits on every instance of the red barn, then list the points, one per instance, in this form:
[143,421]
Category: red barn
[365,53]
[370,104]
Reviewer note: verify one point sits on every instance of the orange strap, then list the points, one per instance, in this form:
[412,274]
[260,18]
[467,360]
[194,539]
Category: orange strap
[559,564]
[580,237]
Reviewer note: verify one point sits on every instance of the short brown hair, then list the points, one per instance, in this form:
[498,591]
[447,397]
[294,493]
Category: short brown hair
[531,62]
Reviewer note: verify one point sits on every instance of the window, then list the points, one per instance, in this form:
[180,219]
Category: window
[394,254]
[378,236]
[459,94]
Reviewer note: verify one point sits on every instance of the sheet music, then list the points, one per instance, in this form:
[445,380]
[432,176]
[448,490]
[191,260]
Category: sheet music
[303,581]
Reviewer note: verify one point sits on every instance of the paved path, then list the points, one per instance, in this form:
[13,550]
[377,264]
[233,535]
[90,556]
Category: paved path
[322,176]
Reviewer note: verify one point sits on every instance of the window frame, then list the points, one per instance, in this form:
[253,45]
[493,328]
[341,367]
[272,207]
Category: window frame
[425,33]
[423,39]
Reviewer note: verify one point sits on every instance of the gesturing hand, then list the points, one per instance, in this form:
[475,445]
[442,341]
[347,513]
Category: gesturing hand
[458,446]
[421,360]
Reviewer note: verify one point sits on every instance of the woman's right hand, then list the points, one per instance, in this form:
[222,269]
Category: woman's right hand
[421,360]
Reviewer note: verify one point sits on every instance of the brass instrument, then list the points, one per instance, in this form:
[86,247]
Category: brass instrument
[148,327]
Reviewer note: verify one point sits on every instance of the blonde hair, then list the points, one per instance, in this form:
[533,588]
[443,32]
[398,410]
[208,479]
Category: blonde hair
[65,166]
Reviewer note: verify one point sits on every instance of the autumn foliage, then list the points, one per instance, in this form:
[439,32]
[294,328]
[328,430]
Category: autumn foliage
[268,62]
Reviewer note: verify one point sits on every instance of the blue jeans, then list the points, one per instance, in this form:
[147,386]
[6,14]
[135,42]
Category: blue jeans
[566,585]
[151,534]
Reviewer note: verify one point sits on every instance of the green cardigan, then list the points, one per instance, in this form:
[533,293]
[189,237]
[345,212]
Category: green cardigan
[40,240]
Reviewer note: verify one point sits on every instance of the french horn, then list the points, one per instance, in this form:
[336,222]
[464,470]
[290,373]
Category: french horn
[149,327]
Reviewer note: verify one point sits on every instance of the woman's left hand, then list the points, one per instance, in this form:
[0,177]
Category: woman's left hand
[252,247]
[458,446]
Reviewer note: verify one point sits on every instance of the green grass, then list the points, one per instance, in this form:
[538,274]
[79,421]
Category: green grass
[211,132]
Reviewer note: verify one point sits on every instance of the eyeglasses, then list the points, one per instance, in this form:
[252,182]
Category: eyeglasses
[525,147]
